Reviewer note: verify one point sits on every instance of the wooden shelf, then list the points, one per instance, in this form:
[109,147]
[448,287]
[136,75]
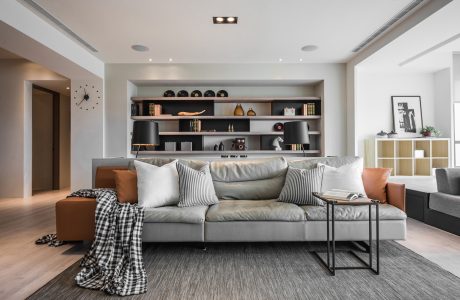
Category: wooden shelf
[224,133]
[226,152]
[228,99]
[172,118]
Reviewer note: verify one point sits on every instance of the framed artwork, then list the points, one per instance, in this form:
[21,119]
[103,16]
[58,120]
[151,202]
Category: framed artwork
[407,115]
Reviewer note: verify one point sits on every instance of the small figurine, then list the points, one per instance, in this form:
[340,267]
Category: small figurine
[221,146]
[276,143]
[382,134]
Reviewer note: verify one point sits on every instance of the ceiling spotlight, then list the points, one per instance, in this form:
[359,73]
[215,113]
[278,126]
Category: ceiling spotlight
[280,60]
[140,48]
[150,60]
[225,20]
[300,59]
[309,48]
[67,88]
[170,60]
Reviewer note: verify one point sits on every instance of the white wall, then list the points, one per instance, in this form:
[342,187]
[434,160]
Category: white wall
[16,124]
[443,102]
[373,110]
[118,90]
[86,132]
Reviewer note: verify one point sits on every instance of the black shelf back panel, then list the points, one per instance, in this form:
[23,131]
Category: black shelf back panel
[239,125]
[197,141]
[278,107]
[174,107]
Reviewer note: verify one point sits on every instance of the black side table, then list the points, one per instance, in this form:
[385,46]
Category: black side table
[365,265]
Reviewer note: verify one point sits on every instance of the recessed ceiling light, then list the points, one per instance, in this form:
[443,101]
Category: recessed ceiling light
[67,88]
[150,60]
[170,60]
[225,20]
[309,48]
[300,59]
[280,60]
[140,48]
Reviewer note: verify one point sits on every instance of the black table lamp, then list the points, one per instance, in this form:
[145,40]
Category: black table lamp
[145,133]
[296,133]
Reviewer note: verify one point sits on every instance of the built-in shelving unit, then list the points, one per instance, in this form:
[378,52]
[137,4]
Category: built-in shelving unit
[218,117]
[399,154]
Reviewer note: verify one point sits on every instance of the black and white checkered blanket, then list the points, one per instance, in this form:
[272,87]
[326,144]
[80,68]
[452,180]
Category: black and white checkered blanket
[114,262]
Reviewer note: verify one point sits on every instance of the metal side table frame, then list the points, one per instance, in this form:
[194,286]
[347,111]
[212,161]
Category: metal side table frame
[365,265]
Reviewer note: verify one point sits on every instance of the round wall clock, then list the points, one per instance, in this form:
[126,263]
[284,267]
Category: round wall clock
[87,97]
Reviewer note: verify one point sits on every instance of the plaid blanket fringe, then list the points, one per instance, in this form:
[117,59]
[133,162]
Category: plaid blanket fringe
[114,262]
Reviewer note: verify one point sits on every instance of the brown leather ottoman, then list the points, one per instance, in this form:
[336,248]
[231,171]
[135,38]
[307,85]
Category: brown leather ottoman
[75,219]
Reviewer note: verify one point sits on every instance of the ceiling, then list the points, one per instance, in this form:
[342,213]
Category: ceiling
[267,30]
[4,54]
[427,47]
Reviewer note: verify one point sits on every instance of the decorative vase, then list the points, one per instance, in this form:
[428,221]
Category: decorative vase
[221,146]
[239,111]
[251,112]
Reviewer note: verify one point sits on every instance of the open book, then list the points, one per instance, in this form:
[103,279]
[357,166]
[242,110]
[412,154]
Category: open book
[342,195]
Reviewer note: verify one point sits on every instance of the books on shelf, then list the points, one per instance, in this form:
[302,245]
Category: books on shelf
[342,195]
[155,109]
[308,109]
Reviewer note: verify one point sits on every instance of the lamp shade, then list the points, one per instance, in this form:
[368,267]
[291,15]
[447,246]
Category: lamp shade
[296,133]
[145,133]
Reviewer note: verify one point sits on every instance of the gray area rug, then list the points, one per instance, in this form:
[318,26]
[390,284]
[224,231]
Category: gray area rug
[271,271]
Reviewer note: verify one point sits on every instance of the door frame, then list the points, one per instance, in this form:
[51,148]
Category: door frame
[56,142]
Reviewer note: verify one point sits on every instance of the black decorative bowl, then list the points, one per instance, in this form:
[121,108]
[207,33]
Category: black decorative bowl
[196,93]
[209,93]
[169,93]
[182,93]
[222,93]
[278,127]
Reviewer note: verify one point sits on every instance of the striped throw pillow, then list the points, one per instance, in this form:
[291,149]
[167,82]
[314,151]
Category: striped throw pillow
[195,186]
[300,184]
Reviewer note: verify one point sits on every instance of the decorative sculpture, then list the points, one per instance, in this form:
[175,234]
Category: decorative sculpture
[276,143]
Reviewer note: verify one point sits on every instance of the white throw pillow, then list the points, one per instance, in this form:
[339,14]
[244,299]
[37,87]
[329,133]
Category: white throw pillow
[157,186]
[347,177]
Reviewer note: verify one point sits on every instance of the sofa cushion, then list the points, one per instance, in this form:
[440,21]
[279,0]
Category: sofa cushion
[126,183]
[258,179]
[335,162]
[353,213]
[254,210]
[300,185]
[347,177]
[445,203]
[175,214]
[195,186]
[375,183]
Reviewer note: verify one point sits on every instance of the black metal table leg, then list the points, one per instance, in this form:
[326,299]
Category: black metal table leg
[377,220]
[333,239]
[370,235]
[328,240]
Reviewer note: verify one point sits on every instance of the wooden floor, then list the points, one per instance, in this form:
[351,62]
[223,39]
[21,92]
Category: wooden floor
[25,267]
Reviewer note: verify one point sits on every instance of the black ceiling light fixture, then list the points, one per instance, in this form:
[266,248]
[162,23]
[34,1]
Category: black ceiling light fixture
[225,20]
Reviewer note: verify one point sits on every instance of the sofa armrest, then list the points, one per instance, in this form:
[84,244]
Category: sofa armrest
[396,195]
[448,181]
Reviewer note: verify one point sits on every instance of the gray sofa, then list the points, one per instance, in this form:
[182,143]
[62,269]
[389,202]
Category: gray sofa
[248,210]
[444,206]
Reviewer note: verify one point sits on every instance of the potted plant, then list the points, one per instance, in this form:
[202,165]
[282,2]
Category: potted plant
[430,131]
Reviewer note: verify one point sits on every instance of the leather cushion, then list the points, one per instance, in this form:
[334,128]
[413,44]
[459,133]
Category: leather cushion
[105,178]
[126,186]
[175,214]
[375,183]
[254,210]
[353,213]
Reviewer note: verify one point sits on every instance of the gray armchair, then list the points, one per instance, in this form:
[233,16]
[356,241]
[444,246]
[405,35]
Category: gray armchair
[444,206]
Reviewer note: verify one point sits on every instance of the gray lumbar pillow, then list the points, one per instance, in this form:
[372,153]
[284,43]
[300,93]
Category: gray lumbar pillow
[300,184]
[195,186]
